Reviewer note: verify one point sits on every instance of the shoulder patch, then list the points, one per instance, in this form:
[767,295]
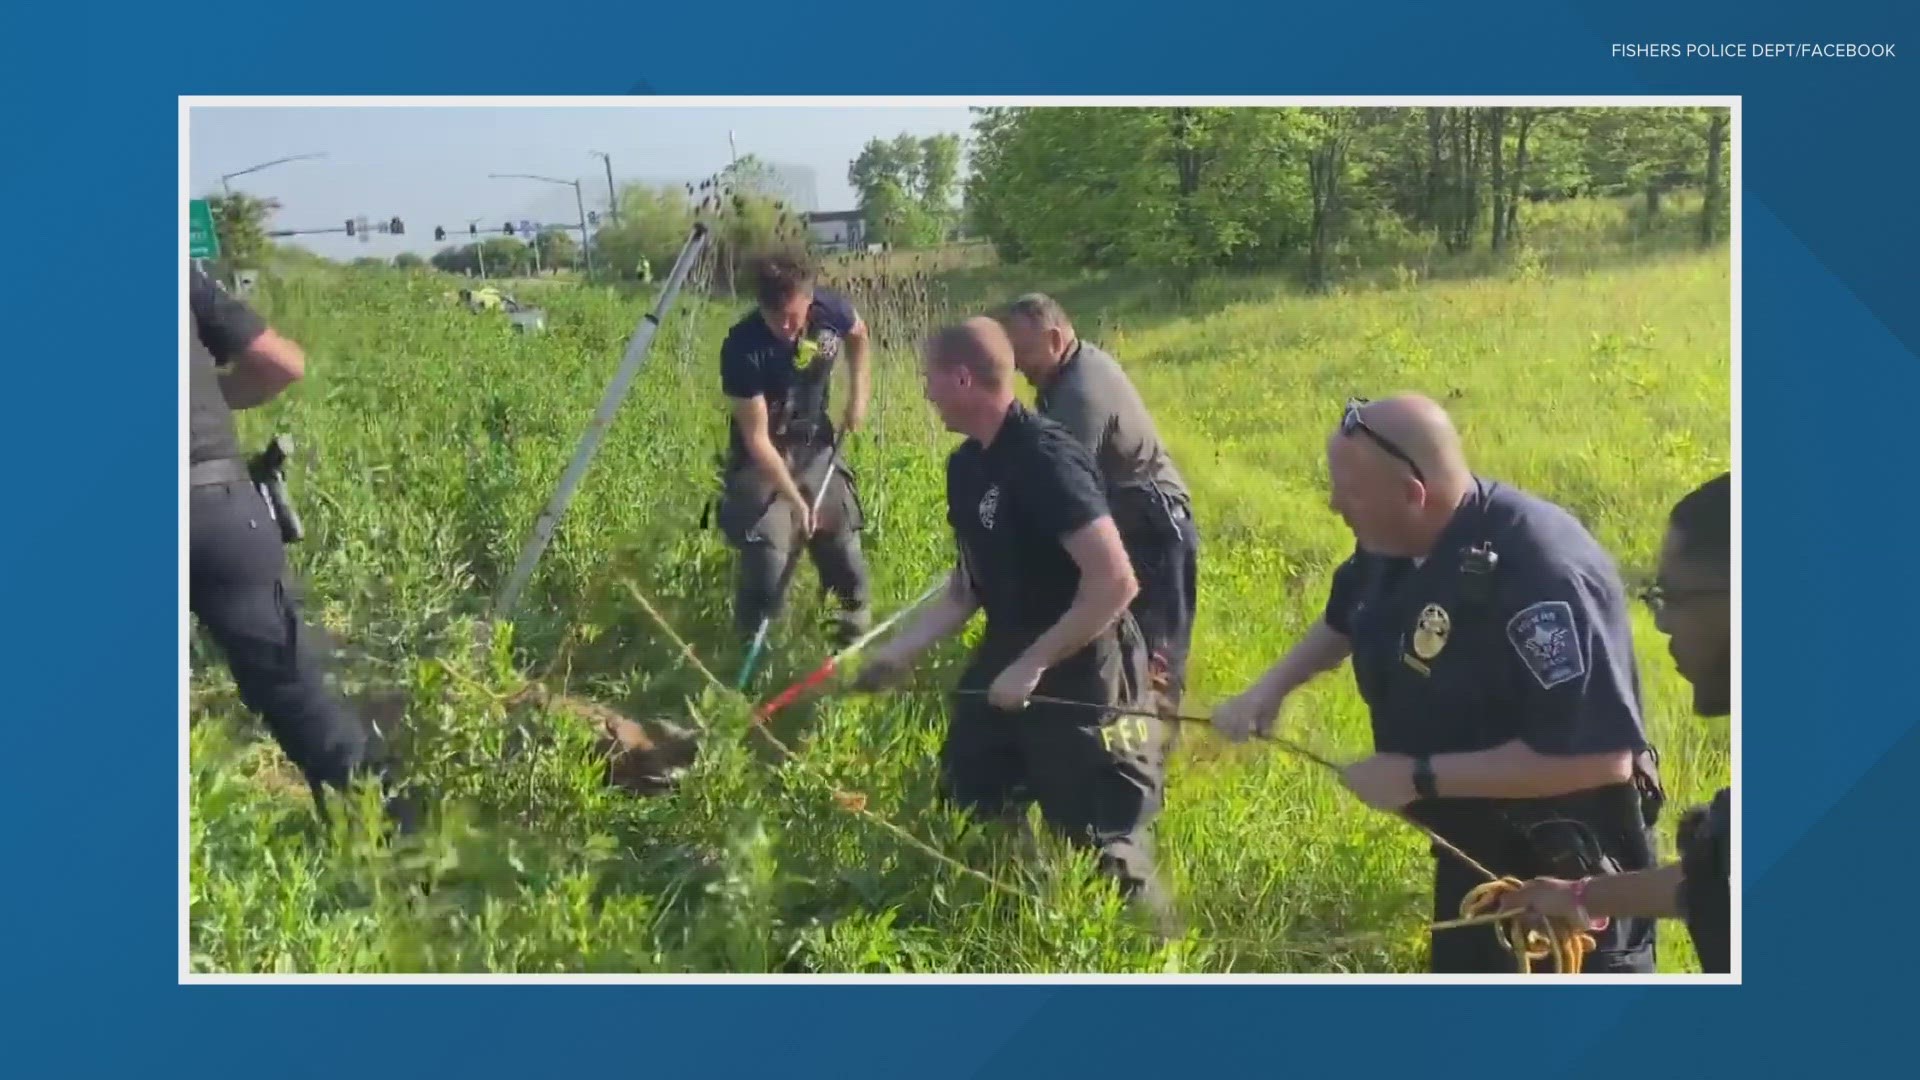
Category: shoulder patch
[1544,636]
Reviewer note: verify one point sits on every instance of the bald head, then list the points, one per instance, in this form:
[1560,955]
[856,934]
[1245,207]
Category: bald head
[979,346]
[1398,474]
[1420,428]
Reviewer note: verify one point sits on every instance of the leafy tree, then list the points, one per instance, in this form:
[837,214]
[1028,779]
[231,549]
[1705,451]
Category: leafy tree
[1192,188]
[241,222]
[557,248]
[906,188]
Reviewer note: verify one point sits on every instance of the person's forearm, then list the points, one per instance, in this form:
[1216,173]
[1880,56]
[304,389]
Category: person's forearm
[1651,894]
[862,381]
[1319,652]
[772,468]
[1514,771]
[1095,606]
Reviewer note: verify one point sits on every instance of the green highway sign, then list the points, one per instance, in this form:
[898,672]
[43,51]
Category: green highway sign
[203,242]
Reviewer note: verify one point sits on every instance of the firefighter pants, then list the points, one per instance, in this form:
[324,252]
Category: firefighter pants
[764,532]
[1099,778]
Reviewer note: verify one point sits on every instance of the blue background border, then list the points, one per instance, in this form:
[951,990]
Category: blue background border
[1829,355]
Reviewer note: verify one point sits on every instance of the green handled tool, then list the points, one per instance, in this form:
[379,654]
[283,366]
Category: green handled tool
[786,574]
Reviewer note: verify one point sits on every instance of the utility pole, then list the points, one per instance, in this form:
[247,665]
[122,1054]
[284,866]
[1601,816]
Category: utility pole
[479,247]
[613,200]
[586,244]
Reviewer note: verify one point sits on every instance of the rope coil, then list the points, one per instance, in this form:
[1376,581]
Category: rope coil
[1564,940]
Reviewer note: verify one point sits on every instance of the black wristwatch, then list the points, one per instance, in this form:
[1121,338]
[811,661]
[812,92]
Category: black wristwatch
[1423,777]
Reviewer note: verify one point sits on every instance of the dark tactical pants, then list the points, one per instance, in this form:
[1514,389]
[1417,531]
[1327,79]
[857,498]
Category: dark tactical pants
[1099,778]
[1167,566]
[1626,946]
[238,589]
[762,529]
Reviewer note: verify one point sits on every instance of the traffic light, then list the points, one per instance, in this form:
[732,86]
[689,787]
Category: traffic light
[593,217]
[439,233]
[472,229]
[507,228]
[396,227]
[349,226]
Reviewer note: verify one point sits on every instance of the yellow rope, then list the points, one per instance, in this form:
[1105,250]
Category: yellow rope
[1566,941]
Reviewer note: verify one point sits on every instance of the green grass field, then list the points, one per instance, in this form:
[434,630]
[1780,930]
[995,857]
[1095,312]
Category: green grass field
[430,439]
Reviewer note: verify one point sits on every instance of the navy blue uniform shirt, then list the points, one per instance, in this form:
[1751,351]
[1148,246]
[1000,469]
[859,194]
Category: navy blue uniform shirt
[219,332]
[793,376]
[1546,656]
[1011,506]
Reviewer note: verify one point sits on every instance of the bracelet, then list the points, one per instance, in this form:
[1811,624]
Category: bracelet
[1578,890]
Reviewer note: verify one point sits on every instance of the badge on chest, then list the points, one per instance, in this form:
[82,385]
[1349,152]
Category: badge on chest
[820,345]
[1429,638]
[989,507]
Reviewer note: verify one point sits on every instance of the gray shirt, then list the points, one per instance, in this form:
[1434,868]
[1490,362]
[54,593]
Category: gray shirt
[1091,396]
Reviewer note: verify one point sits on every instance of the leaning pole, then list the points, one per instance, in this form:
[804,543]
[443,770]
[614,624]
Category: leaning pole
[616,392]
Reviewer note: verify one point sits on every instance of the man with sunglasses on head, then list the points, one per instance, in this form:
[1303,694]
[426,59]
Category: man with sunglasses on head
[1690,603]
[1490,639]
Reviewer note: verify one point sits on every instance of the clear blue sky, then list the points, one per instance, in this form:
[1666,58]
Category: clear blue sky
[429,165]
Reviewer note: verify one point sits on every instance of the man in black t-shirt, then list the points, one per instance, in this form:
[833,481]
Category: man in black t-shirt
[238,584]
[1038,551]
[776,367]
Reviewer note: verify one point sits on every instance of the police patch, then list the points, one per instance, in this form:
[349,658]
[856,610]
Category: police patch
[1543,635]
[1430,631]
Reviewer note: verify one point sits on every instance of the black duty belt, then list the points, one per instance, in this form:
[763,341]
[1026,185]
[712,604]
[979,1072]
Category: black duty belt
[217,471]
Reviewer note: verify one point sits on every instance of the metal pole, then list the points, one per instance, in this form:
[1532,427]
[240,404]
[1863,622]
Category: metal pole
[610,401]
[479,248]
[586,245]
[613,200]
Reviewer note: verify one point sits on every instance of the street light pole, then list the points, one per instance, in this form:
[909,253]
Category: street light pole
[226,189]
[224,177]
[579,203]
[479,248]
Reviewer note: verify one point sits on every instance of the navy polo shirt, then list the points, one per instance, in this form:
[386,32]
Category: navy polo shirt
[1545,655]
[223,327]
[753,360]
[1011,505]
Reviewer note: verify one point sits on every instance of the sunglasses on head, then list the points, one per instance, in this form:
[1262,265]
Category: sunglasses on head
[1352,422]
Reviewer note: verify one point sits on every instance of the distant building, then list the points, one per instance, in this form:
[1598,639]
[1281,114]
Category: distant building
[838,230]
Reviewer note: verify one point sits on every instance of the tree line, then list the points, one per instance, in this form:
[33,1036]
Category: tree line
[1186,187]
[1257,187]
